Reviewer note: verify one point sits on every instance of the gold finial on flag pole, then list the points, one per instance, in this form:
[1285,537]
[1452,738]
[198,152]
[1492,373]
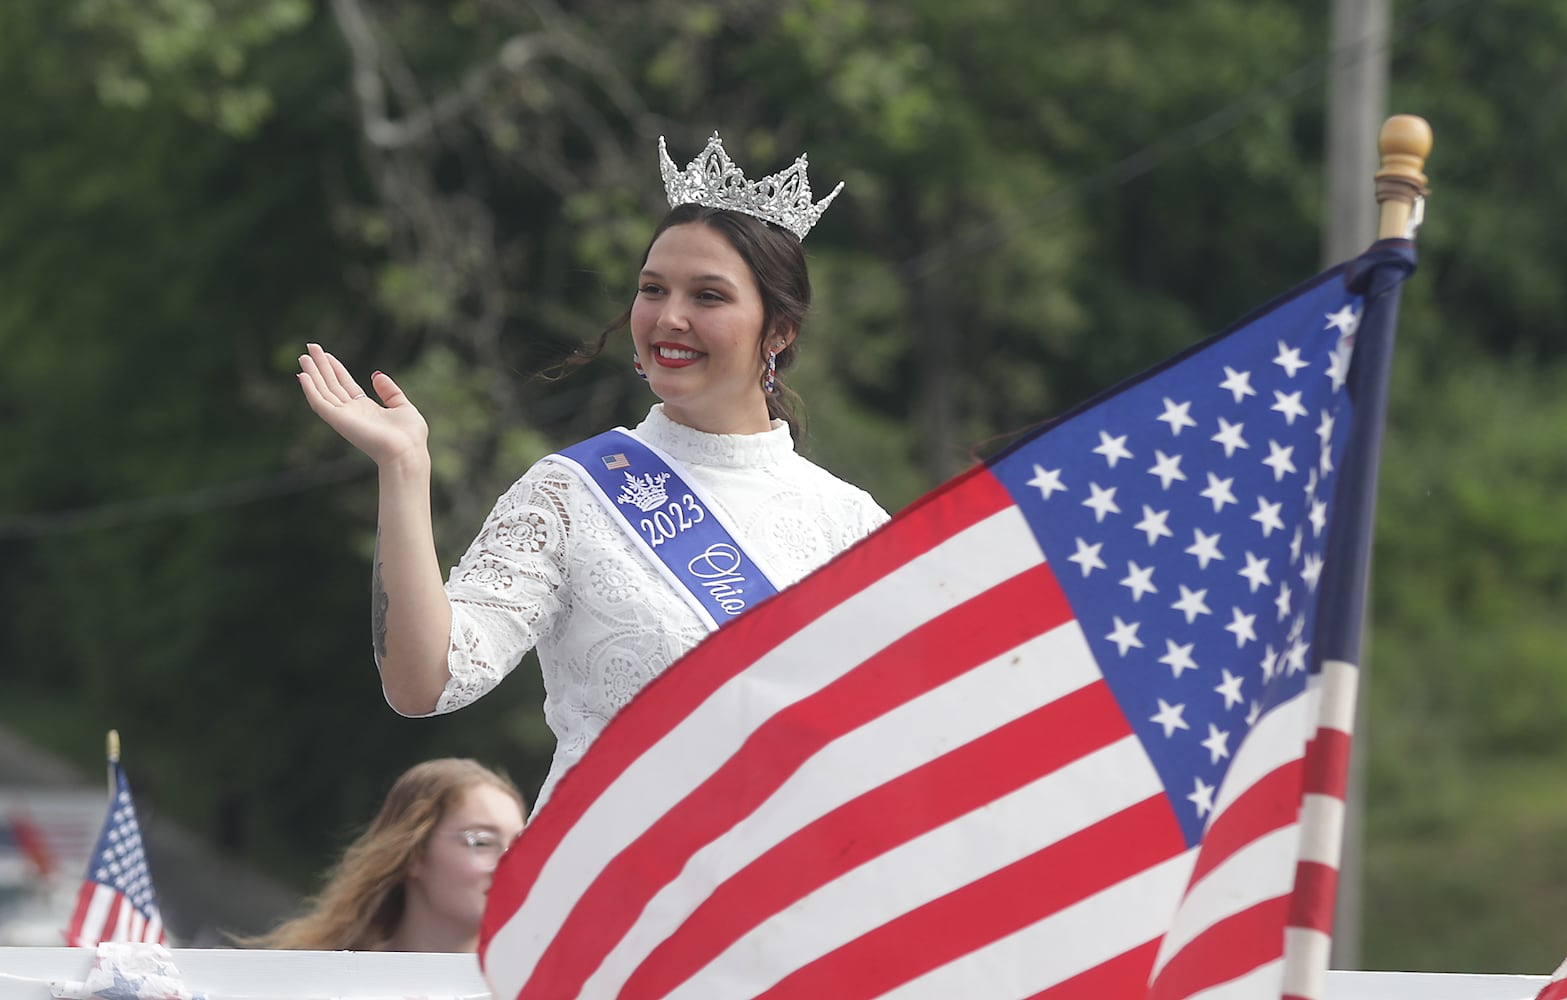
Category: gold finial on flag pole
[1405,142]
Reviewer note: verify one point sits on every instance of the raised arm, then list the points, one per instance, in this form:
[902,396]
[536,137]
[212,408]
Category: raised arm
[411,618]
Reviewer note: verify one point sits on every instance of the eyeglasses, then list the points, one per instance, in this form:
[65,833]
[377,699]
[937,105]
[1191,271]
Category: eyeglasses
[484,843]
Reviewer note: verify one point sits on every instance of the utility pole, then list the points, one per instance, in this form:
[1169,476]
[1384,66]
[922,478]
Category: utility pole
[1357,105]
[1357,102]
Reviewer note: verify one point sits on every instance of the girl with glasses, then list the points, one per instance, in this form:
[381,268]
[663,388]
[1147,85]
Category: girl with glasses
[417,878]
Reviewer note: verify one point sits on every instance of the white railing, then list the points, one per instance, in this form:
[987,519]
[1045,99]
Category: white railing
[226,974]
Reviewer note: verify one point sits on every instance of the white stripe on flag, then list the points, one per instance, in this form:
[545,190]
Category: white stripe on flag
[1341,684]
[1322,827]
[155,927]
[964,709]
[138,928]
[930,866]
[922,589]
[95,923]
[122,918]
[1278,738]
[1308,952]
[1065,944]
[1262,870]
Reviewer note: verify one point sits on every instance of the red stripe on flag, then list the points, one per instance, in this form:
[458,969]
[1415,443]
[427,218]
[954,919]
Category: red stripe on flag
[1272,803]
[1554,991]
[77,933]
[115,916]
[973,633]
[960,504]
[1327,763]
[951,786]
[1007,900]
[1326,770]
[1226,950]
[1311,904]
[1125,975]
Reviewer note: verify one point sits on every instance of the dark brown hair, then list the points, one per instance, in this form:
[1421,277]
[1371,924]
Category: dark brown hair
[777,262]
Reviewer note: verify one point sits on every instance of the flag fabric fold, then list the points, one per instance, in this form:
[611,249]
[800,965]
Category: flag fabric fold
[116,901]
[1075,724]
[1556,989]
[129,971]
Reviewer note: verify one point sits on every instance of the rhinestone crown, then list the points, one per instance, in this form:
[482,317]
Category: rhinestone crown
[712,179]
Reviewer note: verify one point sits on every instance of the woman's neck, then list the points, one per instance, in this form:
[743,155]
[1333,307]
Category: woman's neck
[419,931]
[751,420]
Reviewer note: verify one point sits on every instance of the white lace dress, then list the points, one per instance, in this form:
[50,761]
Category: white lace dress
[550,569]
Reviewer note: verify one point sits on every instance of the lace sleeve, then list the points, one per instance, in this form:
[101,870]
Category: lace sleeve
[509,588]
[873,516]
[862,514]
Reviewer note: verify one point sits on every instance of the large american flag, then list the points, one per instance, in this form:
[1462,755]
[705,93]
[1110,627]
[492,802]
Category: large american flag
[1076,724]
[116,901]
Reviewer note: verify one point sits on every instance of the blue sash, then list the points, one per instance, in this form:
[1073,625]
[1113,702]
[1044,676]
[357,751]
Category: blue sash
[673,524]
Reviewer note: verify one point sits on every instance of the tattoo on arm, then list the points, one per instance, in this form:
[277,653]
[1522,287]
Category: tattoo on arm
[378,602]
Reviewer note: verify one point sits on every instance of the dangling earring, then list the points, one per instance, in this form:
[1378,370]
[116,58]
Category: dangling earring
[770,379]
[636,365]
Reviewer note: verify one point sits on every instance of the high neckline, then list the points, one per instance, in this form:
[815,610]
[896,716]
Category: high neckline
[728,450]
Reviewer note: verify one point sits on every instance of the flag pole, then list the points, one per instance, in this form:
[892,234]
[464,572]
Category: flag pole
[1405,142]
[1330,837]
[113,741]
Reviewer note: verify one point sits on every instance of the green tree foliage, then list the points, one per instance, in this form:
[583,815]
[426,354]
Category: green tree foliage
[1041,200]
[155,268]
[205,45]
[1467,686]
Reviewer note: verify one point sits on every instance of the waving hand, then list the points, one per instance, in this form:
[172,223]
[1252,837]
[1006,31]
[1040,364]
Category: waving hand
[386,433]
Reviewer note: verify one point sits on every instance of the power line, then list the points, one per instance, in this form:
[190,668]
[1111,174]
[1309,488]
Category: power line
[194,501]
[206,498]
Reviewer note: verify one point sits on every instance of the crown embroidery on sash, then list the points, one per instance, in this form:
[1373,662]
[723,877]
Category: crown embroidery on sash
[646,492]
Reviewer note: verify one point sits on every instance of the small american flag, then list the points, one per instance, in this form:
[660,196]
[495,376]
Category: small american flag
[116,901]
[1075,725]
[616,461]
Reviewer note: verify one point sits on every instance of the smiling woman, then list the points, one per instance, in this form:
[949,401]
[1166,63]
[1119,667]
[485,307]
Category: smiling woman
[617,555]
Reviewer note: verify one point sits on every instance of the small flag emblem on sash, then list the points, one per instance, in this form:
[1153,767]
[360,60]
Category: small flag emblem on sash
[617,461]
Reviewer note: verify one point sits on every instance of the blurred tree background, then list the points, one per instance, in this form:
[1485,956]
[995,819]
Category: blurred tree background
[1042,199]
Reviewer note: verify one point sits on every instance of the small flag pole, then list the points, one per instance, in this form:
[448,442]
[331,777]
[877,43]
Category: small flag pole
[113,741]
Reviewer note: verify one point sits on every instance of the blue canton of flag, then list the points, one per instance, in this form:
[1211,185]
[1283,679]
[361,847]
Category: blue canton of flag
[1186,520]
